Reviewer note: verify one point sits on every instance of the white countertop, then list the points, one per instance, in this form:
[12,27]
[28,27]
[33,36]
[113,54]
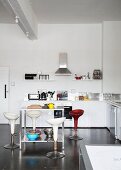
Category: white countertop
[105,157]
[116,103]
[57,108]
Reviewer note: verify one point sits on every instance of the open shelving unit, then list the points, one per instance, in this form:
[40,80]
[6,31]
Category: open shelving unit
[23,129]
[42,138]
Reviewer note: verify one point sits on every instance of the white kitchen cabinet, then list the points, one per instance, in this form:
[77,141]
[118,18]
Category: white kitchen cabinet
[94,113]
[113,121]
[113,117]
[112,57]
[119,123]
[98,114]
[108,116]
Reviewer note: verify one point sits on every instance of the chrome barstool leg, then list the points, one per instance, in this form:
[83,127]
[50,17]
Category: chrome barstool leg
[75,136]
[12,119]
[55,154]
[12,145]
[55,123]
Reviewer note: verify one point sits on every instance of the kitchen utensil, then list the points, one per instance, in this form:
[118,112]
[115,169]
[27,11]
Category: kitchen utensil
[35,131]
[62,95]
[51,93]
[43,96]
[32,136]
[45,106]
[51,106]
[48,132]
[97,74]
[34,106]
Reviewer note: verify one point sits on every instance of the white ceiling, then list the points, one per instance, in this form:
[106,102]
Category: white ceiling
[4,15]
[71,11]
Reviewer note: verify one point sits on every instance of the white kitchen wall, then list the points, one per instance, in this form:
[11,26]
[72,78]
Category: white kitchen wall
[82,42]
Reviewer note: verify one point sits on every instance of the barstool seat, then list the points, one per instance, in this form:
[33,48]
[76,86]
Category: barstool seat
[76,114]
[34,114]
[12,119]
[55,123]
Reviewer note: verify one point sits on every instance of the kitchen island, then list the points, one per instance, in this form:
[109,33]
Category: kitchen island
[47,114]
[96,114]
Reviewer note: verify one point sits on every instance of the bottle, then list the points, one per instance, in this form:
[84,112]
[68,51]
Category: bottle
[75,76]
[101,96]
[88,75]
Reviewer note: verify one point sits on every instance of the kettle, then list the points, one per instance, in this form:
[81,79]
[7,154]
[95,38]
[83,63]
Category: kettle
[43,96]
[51,106]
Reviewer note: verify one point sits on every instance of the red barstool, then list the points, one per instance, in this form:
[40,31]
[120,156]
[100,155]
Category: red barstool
[76,114]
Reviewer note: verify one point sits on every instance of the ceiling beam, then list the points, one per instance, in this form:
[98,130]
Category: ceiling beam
[24,16]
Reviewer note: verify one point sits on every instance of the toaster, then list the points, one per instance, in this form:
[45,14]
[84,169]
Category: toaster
[34,96]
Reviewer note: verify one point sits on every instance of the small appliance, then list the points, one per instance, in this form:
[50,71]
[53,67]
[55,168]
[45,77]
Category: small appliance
[67,109]
[34,96]
[43,96]
[62,95]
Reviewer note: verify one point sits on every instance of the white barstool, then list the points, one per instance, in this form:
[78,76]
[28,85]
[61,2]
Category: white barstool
[55,123]
[34,114]
[12,119]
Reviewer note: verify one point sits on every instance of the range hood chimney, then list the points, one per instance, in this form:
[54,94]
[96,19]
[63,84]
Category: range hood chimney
[63,70]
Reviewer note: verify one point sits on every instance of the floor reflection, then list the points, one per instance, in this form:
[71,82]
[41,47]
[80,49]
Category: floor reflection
[33,157]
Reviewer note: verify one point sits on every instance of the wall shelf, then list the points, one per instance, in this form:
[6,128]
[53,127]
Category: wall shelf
[37,80]
[87,79]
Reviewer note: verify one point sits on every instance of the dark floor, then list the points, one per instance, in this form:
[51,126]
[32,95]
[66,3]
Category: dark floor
[34,156]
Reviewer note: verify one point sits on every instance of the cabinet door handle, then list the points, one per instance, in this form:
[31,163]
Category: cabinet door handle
[66,107]
[5,91]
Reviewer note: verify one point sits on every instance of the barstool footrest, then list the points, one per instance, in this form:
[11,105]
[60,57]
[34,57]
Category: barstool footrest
[55,155]
[75,137]
[9,146]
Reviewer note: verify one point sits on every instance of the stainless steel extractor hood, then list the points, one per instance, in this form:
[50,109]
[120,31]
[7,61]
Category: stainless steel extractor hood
[63,70]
